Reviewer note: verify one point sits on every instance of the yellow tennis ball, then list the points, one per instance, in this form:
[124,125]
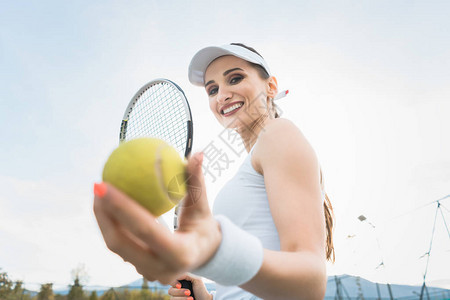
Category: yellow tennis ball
[148,170]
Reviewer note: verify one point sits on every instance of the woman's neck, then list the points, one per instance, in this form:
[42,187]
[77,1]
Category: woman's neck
[249,135]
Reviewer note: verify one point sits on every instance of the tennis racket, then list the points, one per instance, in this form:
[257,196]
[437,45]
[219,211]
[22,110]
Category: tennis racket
[160,110]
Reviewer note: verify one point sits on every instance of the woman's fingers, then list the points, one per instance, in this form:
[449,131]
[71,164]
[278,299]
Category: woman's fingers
[109,228]
[185,276]
[195,182]
[200,290]
[176,291]
[128,247]
[137,220]
[195,204]
[179,292]
[146,245]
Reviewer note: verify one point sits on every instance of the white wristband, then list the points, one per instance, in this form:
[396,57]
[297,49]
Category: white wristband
[238,259]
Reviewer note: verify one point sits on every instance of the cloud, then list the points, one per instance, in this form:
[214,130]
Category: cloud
[47,230]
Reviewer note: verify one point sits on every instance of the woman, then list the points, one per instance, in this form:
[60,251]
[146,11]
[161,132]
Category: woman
[271,233]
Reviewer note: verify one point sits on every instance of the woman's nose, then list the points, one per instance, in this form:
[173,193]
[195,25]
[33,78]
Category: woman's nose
[223,95]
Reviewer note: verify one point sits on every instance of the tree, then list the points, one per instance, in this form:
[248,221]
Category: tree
[19,291]
[125,295]
[109,295]
[5,286]
[93,296]
[60,297]
[81,274]
[46,292]
[80,278]
[7,292]
[145,292]
[76,291]
[144,285]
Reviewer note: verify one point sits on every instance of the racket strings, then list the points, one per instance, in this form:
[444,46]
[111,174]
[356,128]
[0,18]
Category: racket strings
[159,112]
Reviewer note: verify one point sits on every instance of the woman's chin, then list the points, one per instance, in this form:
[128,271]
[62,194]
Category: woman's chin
[234,125]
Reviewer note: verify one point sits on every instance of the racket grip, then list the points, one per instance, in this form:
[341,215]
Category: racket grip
[186,284]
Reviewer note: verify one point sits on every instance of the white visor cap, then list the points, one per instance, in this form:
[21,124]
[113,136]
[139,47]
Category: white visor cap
[204,57]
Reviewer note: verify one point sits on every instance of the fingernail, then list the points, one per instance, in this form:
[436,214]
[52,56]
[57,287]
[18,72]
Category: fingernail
[187,292]
[100,189]
[190,298]
[178,285]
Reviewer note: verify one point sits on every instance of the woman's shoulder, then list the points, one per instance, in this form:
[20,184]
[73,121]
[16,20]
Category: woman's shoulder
[278,138]
[280,133]
[278,126]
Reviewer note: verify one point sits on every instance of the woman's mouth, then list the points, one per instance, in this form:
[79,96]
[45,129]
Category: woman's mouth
[231,109]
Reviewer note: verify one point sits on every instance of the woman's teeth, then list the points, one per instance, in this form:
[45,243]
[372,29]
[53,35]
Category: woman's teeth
[231,108]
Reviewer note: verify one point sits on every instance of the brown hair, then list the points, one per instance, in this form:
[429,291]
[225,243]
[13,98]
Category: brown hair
[329,221]
[328,208]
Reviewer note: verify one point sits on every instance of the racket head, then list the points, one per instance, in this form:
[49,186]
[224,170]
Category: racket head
[159,109]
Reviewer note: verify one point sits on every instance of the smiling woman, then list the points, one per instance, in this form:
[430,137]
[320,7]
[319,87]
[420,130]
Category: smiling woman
[284,205]
[269,232]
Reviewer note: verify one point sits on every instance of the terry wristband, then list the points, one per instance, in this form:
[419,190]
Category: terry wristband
[238,259]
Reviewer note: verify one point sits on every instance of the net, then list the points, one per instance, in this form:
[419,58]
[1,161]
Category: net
[160,112]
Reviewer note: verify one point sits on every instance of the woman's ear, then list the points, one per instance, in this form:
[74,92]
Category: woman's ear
[273,87]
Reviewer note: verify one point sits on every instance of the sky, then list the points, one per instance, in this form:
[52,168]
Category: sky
[369,86]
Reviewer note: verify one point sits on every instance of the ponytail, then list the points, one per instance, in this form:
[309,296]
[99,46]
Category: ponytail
[329,221]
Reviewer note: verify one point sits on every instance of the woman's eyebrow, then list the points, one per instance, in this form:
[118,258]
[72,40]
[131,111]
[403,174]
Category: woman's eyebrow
[209,82]
[231,70]
[224,74]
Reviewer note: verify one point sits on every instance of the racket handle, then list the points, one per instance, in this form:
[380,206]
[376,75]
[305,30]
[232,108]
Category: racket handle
[186,284]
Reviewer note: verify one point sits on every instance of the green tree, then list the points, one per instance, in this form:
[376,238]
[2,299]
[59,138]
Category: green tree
[46,292]
[81,274]
[60,297]
[19,291]
[145,293]
[109,295]
[5,286]
[144,285]
[125,295]
[7,292]
[93,296]
[76,291]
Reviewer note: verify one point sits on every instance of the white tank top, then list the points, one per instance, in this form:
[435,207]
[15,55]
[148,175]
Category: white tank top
[243,199]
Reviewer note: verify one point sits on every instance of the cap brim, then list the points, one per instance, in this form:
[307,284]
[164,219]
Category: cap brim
[201,61]
[203,58]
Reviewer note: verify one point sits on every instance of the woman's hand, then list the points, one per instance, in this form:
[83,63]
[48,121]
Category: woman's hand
[200,291]
[134,233]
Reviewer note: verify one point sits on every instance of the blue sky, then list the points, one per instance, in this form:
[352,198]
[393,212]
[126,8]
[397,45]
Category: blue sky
[369,87]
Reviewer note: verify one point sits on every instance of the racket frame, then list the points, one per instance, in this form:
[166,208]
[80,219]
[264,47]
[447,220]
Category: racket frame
[135,99]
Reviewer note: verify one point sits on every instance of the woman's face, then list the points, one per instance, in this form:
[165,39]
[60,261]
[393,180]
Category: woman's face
[237,93]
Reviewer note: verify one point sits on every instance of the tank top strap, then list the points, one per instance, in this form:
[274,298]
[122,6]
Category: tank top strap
[253,147]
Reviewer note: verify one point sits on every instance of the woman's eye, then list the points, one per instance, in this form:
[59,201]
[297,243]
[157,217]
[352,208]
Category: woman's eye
[235,79]
[212,91]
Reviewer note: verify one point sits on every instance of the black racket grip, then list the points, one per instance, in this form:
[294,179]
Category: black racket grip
[186,284]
